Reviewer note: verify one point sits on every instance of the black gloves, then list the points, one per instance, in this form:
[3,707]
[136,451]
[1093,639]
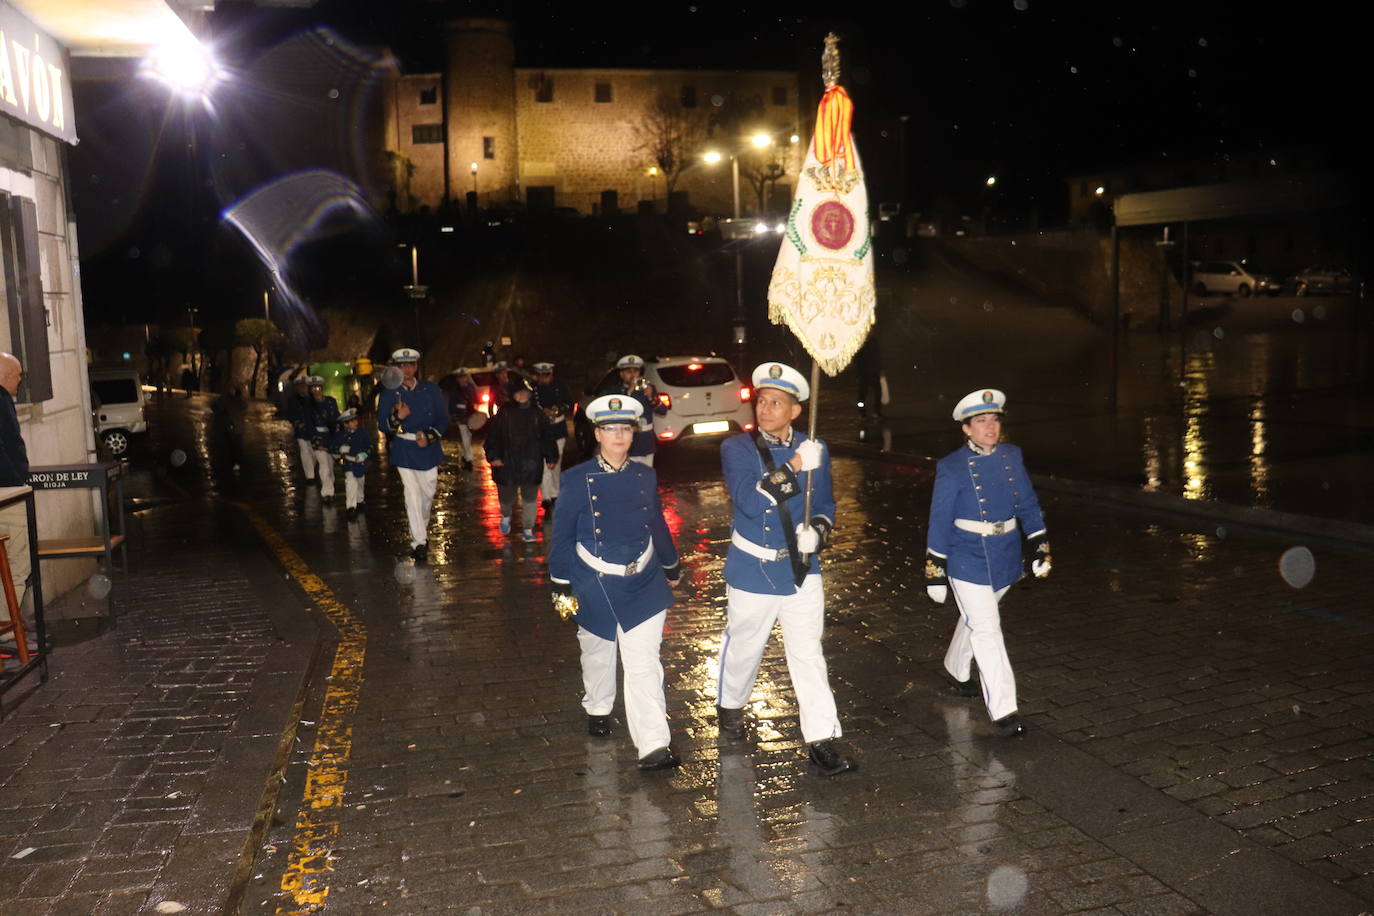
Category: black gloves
[823,529]
[781,484]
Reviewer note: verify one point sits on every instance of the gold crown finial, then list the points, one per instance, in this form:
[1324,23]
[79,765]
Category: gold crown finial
[830,61]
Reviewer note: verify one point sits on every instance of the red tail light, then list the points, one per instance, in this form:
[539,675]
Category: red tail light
[666,435]
[694,367]
[665,399]
[745,393]
[748,427]
[486,397]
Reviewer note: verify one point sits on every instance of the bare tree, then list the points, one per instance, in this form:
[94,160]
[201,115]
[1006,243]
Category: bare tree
[668,135]
[260,334]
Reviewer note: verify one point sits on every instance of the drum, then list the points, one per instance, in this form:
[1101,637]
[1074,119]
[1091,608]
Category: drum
[476,420]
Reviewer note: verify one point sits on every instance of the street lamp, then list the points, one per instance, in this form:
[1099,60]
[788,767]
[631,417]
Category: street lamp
[474,182]
[739,322]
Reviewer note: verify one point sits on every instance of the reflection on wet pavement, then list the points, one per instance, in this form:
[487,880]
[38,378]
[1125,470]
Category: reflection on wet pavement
[1175,656]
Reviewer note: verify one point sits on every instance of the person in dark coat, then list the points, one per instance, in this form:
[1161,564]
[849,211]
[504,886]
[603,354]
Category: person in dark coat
[229,413]
[520,444]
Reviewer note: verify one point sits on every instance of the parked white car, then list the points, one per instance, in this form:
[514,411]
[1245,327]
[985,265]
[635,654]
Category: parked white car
[118,403]
[1232,278]
[704,396]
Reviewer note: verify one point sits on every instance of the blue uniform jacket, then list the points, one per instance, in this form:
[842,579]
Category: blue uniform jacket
[982,488]
[354,447]
[756,514]
[298,411]
[427,411]
[645,442]
[322,418]
[613,515]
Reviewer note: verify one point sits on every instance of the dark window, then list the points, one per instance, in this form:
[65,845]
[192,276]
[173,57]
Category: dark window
[689,96]
[603,92]
[779,95]
[115,390]
[429,96]
[687,377]
[543,88]
[426,133]
[21,295]
[488,147]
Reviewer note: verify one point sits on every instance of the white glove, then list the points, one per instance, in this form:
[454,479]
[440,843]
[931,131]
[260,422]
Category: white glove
[1041,568]
[938,593]
[343,450]
[810,454]
[808,540]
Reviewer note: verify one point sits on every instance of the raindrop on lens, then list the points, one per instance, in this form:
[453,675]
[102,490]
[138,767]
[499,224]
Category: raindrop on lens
[98,586]
[1006,886]
[333,93]
[1319,313]
[404,572]
[1297,566]
[1298,316]
[177,458]
[987,305]
[1221,532]
[1218,333]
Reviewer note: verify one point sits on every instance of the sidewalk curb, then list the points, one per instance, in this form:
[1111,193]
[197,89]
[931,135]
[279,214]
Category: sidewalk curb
[1289,523]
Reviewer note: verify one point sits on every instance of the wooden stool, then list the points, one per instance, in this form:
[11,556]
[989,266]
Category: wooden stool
[16,624]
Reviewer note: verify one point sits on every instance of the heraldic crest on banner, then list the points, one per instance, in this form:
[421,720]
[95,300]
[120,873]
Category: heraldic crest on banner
[822,286]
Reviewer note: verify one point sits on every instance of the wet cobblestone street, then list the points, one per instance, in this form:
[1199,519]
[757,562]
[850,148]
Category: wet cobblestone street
[1200,727]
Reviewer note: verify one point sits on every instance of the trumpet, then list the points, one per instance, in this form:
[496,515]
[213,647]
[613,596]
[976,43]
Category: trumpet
[640,384]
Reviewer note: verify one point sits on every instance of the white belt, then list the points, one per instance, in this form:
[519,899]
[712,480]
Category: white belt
[616,569]
[757,550]
[410,437]
[986,529]
[355,458]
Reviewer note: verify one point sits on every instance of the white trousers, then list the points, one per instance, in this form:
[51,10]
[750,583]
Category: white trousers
[644,459]
[551,474]
[465,435]
[324,465]
[646,711]
[419,487]
[307,458]
[978,636]
[14,521]
[353,491]
[749,623]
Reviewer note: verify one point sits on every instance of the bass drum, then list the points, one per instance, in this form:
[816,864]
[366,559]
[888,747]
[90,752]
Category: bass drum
[476,420]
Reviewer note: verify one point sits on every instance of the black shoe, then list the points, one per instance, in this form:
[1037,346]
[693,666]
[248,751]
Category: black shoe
[467,465]
[598,726]
[419,552]
[353,514]
[968,688]
[362,507]
[1009,726]
[328,500]
[730,721]
[829,761]
[661,759]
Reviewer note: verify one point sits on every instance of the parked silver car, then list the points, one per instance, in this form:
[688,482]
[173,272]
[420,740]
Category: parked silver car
[1232,278]
[1324,281]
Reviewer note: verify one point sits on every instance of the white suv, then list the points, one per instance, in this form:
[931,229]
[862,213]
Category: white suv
[703,394]
[1231,278]
[118,404]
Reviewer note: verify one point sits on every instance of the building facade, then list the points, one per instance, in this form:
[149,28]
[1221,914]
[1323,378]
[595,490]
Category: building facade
[544,138]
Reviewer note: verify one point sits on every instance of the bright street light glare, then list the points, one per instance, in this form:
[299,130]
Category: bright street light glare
[795,139]
[761,140]
[184,64]
[1100,191]
[992,180]
[712,156]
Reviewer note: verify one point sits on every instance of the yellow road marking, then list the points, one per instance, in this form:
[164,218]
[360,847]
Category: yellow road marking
[307,874]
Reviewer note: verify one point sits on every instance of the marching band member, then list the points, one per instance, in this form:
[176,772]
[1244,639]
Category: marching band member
[323,414]
[414,417]
[634,384]
[300,414]
[556,401]
[613,563]
[982,503]
[462,404]
[772,571]
[520,450]
[353,445]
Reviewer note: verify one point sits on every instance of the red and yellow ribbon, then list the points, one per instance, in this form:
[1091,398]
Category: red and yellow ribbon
[833,120]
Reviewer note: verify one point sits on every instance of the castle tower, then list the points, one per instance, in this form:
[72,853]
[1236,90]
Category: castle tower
[479,89]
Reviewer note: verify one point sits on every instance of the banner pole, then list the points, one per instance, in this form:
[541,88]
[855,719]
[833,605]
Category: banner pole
[811,433]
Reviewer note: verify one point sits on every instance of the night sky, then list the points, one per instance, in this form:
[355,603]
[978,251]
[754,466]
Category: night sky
[1027,90]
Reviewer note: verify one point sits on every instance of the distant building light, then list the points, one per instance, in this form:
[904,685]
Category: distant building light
[445,228]
[126,354]
[712,156]
[992,180]
[1100,191]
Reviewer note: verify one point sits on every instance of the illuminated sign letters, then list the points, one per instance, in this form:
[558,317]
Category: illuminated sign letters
[33,77]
